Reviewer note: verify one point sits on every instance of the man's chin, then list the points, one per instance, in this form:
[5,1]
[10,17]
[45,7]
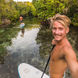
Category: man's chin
[57,40]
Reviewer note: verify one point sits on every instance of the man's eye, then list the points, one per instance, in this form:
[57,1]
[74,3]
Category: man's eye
[60,28]
[54,28]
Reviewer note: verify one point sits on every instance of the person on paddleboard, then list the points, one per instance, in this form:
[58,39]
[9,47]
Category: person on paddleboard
[63,55]
[22,25]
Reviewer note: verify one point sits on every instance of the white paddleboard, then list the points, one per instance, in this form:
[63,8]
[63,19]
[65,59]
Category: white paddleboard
[27,71]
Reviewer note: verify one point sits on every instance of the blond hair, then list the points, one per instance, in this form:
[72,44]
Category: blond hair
[63,19]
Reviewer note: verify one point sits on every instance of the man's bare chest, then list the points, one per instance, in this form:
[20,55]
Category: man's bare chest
[57,54]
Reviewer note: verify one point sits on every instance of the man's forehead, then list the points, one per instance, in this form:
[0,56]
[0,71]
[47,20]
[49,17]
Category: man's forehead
[56,23]
[59,23]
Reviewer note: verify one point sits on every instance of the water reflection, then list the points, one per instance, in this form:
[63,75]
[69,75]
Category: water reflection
[21,49]
[22,32]
[26,44]
[22,26]
[5,40]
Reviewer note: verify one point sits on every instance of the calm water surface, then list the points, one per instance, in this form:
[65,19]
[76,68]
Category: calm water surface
[23,48]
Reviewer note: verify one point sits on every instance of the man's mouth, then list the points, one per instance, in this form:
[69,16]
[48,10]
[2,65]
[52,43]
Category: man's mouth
[57,35]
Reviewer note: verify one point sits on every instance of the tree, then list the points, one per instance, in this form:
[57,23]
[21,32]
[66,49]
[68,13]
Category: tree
[73,12]
[47,8]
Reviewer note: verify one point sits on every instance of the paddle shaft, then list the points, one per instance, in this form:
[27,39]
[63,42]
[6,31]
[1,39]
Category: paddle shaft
[47,62]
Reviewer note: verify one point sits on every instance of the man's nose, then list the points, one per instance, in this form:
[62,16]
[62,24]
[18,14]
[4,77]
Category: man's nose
[56,31]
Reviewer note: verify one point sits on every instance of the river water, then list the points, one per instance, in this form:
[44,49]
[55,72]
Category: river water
[23,49]
[30,46]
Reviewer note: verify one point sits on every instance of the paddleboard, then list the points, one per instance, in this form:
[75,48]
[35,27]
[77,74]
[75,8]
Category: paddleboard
[28,71]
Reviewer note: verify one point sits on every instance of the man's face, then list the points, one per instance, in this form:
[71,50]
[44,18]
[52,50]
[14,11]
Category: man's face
[59,31]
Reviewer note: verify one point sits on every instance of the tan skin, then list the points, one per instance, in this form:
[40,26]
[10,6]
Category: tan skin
[63,55]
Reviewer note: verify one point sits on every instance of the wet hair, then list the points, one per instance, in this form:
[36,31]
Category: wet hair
[63,19]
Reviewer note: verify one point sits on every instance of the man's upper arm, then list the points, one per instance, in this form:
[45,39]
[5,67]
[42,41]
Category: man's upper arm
[70,57]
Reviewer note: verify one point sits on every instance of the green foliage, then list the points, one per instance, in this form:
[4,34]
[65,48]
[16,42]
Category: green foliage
[6,36]
[2,1]
[21,7]
[41,8]
[31,8]
[73,12]
[0,19]
[25,8]
[12,10]
[47,8]
[8,11]
[3,52]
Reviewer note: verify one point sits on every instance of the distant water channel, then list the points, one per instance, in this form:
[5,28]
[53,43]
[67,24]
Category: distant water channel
[32,46]
[23,49]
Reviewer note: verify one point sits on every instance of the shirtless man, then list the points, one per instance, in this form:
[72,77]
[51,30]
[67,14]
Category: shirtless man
[63,55]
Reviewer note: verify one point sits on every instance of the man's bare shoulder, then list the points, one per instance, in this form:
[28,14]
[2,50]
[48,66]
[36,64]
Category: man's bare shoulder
[69,52]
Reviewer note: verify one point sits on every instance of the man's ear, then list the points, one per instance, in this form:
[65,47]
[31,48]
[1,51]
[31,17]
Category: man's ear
[67,29]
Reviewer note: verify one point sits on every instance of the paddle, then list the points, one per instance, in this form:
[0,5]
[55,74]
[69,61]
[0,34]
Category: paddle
[47,62]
